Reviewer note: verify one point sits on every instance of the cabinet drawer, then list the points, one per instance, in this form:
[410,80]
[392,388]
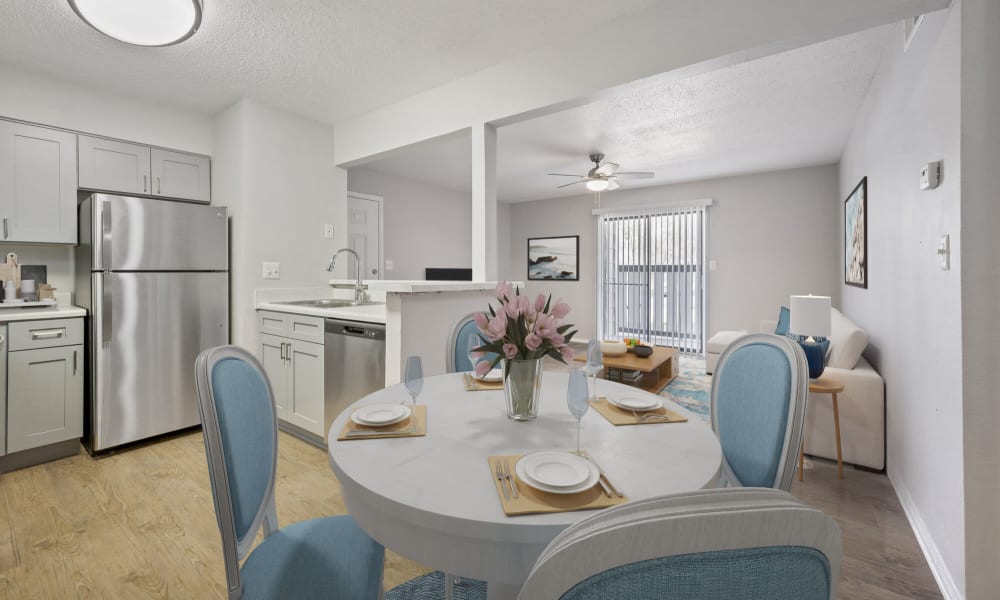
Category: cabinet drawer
[297,327]
[29,335]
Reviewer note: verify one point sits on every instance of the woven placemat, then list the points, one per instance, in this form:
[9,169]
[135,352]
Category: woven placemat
[530,501]
[621,416]
[415,426]
[474,385]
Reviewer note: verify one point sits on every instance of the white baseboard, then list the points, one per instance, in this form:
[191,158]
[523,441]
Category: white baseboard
[935,561]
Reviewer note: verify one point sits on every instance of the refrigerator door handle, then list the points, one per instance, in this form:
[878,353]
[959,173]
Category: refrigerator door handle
[106,312]
[106,234]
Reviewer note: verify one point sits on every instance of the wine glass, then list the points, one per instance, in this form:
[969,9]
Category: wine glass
[472,344]
[576,400]
[414,376]
[595,363]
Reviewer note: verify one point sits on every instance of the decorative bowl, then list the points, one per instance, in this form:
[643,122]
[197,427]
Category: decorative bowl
[613,347]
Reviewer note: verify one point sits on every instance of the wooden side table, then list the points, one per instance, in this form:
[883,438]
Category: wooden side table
[825,385]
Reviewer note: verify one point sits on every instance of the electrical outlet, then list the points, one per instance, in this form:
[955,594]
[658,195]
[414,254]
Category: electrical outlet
[388,264]
[272,270]
[328,231]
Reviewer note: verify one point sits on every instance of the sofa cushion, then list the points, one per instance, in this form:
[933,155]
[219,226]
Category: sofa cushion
[784,317]
[721,340]
[847,341]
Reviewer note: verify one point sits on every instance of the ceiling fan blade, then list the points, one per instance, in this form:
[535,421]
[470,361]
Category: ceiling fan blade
[565,175]
[569,184]
[635,175]
[612,186]
[607,168]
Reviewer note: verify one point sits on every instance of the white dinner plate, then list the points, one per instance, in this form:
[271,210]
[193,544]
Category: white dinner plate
[492,377]
[636,403]
[380,414]
[557,467]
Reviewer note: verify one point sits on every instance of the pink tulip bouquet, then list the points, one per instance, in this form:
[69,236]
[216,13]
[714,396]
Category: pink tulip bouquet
[520,329]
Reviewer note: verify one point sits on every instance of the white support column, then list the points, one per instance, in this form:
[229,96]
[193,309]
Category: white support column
[484,202]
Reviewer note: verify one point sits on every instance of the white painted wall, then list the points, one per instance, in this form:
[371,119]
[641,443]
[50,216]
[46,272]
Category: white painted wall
[41,99]
[912,309]
[276,173]
[771,233]
[424,225]
[980,293]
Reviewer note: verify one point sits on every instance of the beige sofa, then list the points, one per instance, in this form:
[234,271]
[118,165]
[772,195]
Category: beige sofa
[862,403]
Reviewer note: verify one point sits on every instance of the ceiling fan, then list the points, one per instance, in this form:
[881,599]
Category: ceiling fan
[602,177]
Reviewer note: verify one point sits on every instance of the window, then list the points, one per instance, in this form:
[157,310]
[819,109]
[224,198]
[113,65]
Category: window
[652,276]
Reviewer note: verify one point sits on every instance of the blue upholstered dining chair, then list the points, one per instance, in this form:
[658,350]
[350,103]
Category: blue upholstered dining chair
[759,392]
[713,544]
[322,558]
[457,351]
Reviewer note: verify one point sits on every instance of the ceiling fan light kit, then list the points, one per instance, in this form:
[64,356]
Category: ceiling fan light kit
[602,178]
[142,22]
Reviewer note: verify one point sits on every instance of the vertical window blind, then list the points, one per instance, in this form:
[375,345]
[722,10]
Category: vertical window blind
[652,276]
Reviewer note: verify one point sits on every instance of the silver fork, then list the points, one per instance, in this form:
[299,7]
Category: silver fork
[498,470]
[510,478]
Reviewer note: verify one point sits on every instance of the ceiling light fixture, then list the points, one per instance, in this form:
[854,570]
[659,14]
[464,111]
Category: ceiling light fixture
[597,185]
[142,22]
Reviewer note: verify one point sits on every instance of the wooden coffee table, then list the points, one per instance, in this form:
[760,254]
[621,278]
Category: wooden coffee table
[658,369]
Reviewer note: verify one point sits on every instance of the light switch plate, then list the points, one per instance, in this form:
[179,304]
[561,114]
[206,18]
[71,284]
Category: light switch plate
[388,264]
[328,231]
[271,270]
[712,265]
[944,252]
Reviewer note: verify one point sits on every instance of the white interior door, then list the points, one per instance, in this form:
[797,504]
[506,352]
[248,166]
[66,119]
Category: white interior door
[364,232]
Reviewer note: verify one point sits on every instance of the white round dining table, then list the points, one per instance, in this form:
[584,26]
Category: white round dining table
[433,499]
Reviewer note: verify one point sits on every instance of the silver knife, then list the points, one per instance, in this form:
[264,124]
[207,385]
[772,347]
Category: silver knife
[604,477]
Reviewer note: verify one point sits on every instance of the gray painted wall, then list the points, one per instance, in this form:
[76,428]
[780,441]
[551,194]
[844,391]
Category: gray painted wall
[773,235]
[424,226]
[911,308]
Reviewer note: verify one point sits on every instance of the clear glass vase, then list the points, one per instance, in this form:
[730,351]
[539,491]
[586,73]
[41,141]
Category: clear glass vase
[522,385]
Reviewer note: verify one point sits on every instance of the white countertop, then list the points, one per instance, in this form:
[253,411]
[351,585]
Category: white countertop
[35,313]
[392,286]
[371,313]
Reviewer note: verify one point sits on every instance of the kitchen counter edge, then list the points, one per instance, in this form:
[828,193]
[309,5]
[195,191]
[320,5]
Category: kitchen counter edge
[8,315]
[372,313]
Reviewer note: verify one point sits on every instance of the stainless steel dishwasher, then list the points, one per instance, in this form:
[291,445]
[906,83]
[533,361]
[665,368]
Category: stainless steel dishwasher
[354,361]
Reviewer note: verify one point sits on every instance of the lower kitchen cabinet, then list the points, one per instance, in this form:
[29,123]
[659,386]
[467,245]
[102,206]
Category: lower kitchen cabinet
[44,397]
[295,369]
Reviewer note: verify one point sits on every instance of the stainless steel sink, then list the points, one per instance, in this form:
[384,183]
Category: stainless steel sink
[326,303]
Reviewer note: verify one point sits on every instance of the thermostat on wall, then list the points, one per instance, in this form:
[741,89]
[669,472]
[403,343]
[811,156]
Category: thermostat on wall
[930,176]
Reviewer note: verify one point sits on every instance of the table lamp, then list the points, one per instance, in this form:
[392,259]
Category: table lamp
[810,320]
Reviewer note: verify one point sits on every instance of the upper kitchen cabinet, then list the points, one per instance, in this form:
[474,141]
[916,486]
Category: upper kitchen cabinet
[37,184]
[112,166]
[124,168]
[181,175]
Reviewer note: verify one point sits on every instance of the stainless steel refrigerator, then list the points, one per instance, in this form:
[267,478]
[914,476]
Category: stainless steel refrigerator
[154,276]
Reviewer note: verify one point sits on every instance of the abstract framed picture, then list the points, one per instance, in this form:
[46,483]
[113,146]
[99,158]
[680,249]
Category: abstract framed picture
[554,258]
[856,236]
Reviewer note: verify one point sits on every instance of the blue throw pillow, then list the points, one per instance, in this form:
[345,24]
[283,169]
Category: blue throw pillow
[784,316]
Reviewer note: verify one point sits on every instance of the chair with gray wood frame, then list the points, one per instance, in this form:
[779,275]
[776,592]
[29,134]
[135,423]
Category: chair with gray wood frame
[759,392]
[329,557]
[713,544]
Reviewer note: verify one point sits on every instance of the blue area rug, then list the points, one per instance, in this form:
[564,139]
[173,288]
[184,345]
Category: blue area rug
[691,389]
[431,587]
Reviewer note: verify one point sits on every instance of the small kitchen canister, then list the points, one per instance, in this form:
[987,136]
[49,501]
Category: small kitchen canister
[28,291]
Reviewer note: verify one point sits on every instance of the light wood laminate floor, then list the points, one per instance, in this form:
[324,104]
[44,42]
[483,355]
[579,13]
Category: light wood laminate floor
[140,524]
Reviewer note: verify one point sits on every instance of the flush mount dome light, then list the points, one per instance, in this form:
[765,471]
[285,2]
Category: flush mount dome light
[142,22]
[597,185]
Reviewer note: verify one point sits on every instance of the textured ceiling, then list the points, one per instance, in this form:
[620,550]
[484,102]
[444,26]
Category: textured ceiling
[782,111]
[327,59]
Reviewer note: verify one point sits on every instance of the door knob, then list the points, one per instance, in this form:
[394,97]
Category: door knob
[374,271]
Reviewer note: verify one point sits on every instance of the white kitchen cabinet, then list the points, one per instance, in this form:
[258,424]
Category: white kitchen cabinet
[44,397]
[272,358]
[295,370]
[181,175]
[113,166]
[37,184]
[126,168]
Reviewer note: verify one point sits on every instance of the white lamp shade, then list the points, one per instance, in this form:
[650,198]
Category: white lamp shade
[810,316]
